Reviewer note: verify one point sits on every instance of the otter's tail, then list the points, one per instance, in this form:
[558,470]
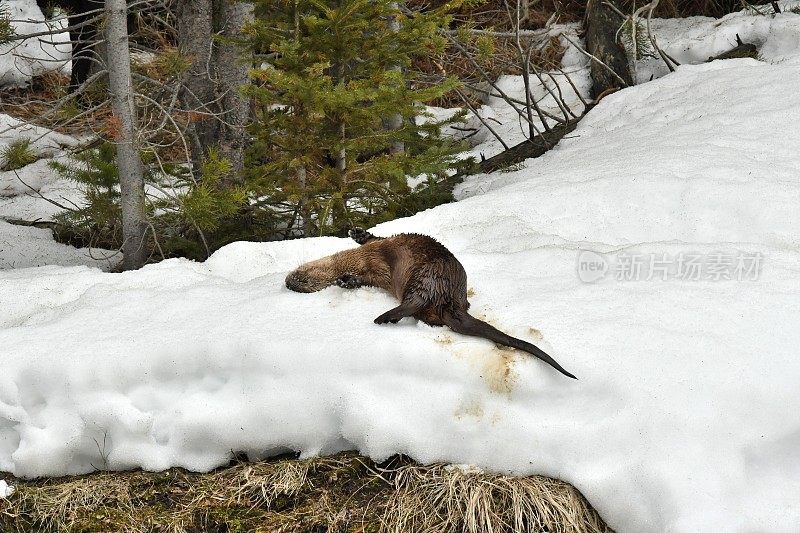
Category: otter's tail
[467,324]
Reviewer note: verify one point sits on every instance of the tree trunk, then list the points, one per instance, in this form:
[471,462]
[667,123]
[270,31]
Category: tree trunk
[395,122]
[218,112]
[602,24]
[195,40]
[233,73]
[131,171]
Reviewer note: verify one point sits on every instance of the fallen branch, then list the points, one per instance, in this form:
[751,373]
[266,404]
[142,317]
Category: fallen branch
[38,223]
[742,49]
[527,149]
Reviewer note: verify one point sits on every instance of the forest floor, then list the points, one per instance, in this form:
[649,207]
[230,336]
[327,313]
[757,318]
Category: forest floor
[341,493]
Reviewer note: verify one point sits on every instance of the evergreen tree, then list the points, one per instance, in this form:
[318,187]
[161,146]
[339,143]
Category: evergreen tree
[183,211]
[323,154]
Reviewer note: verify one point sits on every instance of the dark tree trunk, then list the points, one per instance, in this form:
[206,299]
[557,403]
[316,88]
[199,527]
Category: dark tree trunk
[233,70]
[195,39]
[602,24]
[218,111]
[84,38]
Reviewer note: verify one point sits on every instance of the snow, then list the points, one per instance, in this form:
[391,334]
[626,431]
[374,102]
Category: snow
[6,490]
[684,416]
[469,129]
[696,39]
[22,194]
[24,247]
[22,60]
[44,143]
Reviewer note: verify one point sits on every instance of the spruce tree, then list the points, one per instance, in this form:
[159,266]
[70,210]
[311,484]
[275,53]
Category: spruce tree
[336,74]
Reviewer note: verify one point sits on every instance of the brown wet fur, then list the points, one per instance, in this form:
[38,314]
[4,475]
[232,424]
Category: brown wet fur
[427,279]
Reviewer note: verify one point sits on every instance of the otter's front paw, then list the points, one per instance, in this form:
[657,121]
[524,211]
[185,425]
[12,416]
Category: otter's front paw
[348,281]
[360,235]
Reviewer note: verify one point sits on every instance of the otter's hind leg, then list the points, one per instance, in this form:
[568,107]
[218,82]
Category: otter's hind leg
[362,236]
[407,308]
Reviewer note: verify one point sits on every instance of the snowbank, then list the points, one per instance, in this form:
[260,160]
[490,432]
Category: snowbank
[22,60]
[694,40]
[690,41]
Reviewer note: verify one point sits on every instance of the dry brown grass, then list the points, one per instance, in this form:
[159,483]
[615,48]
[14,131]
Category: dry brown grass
[61,506]
[342,493]
[445,498]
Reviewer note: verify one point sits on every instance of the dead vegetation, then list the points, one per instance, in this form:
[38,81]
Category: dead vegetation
[492,14]
[34,104]
[487,56]
[448,498]
[342,493]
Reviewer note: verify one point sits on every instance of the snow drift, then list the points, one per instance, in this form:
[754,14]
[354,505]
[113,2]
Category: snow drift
[685,415]
[22,60]
[21,198]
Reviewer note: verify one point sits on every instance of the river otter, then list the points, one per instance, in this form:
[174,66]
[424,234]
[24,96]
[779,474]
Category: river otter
[420,272]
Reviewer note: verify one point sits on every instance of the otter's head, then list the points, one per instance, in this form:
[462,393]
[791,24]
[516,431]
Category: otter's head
[313,276]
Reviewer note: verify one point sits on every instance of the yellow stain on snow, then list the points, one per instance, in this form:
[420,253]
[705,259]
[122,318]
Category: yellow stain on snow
[497,370]
[535,334]
[497,367]
[443,338]
[469,409]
